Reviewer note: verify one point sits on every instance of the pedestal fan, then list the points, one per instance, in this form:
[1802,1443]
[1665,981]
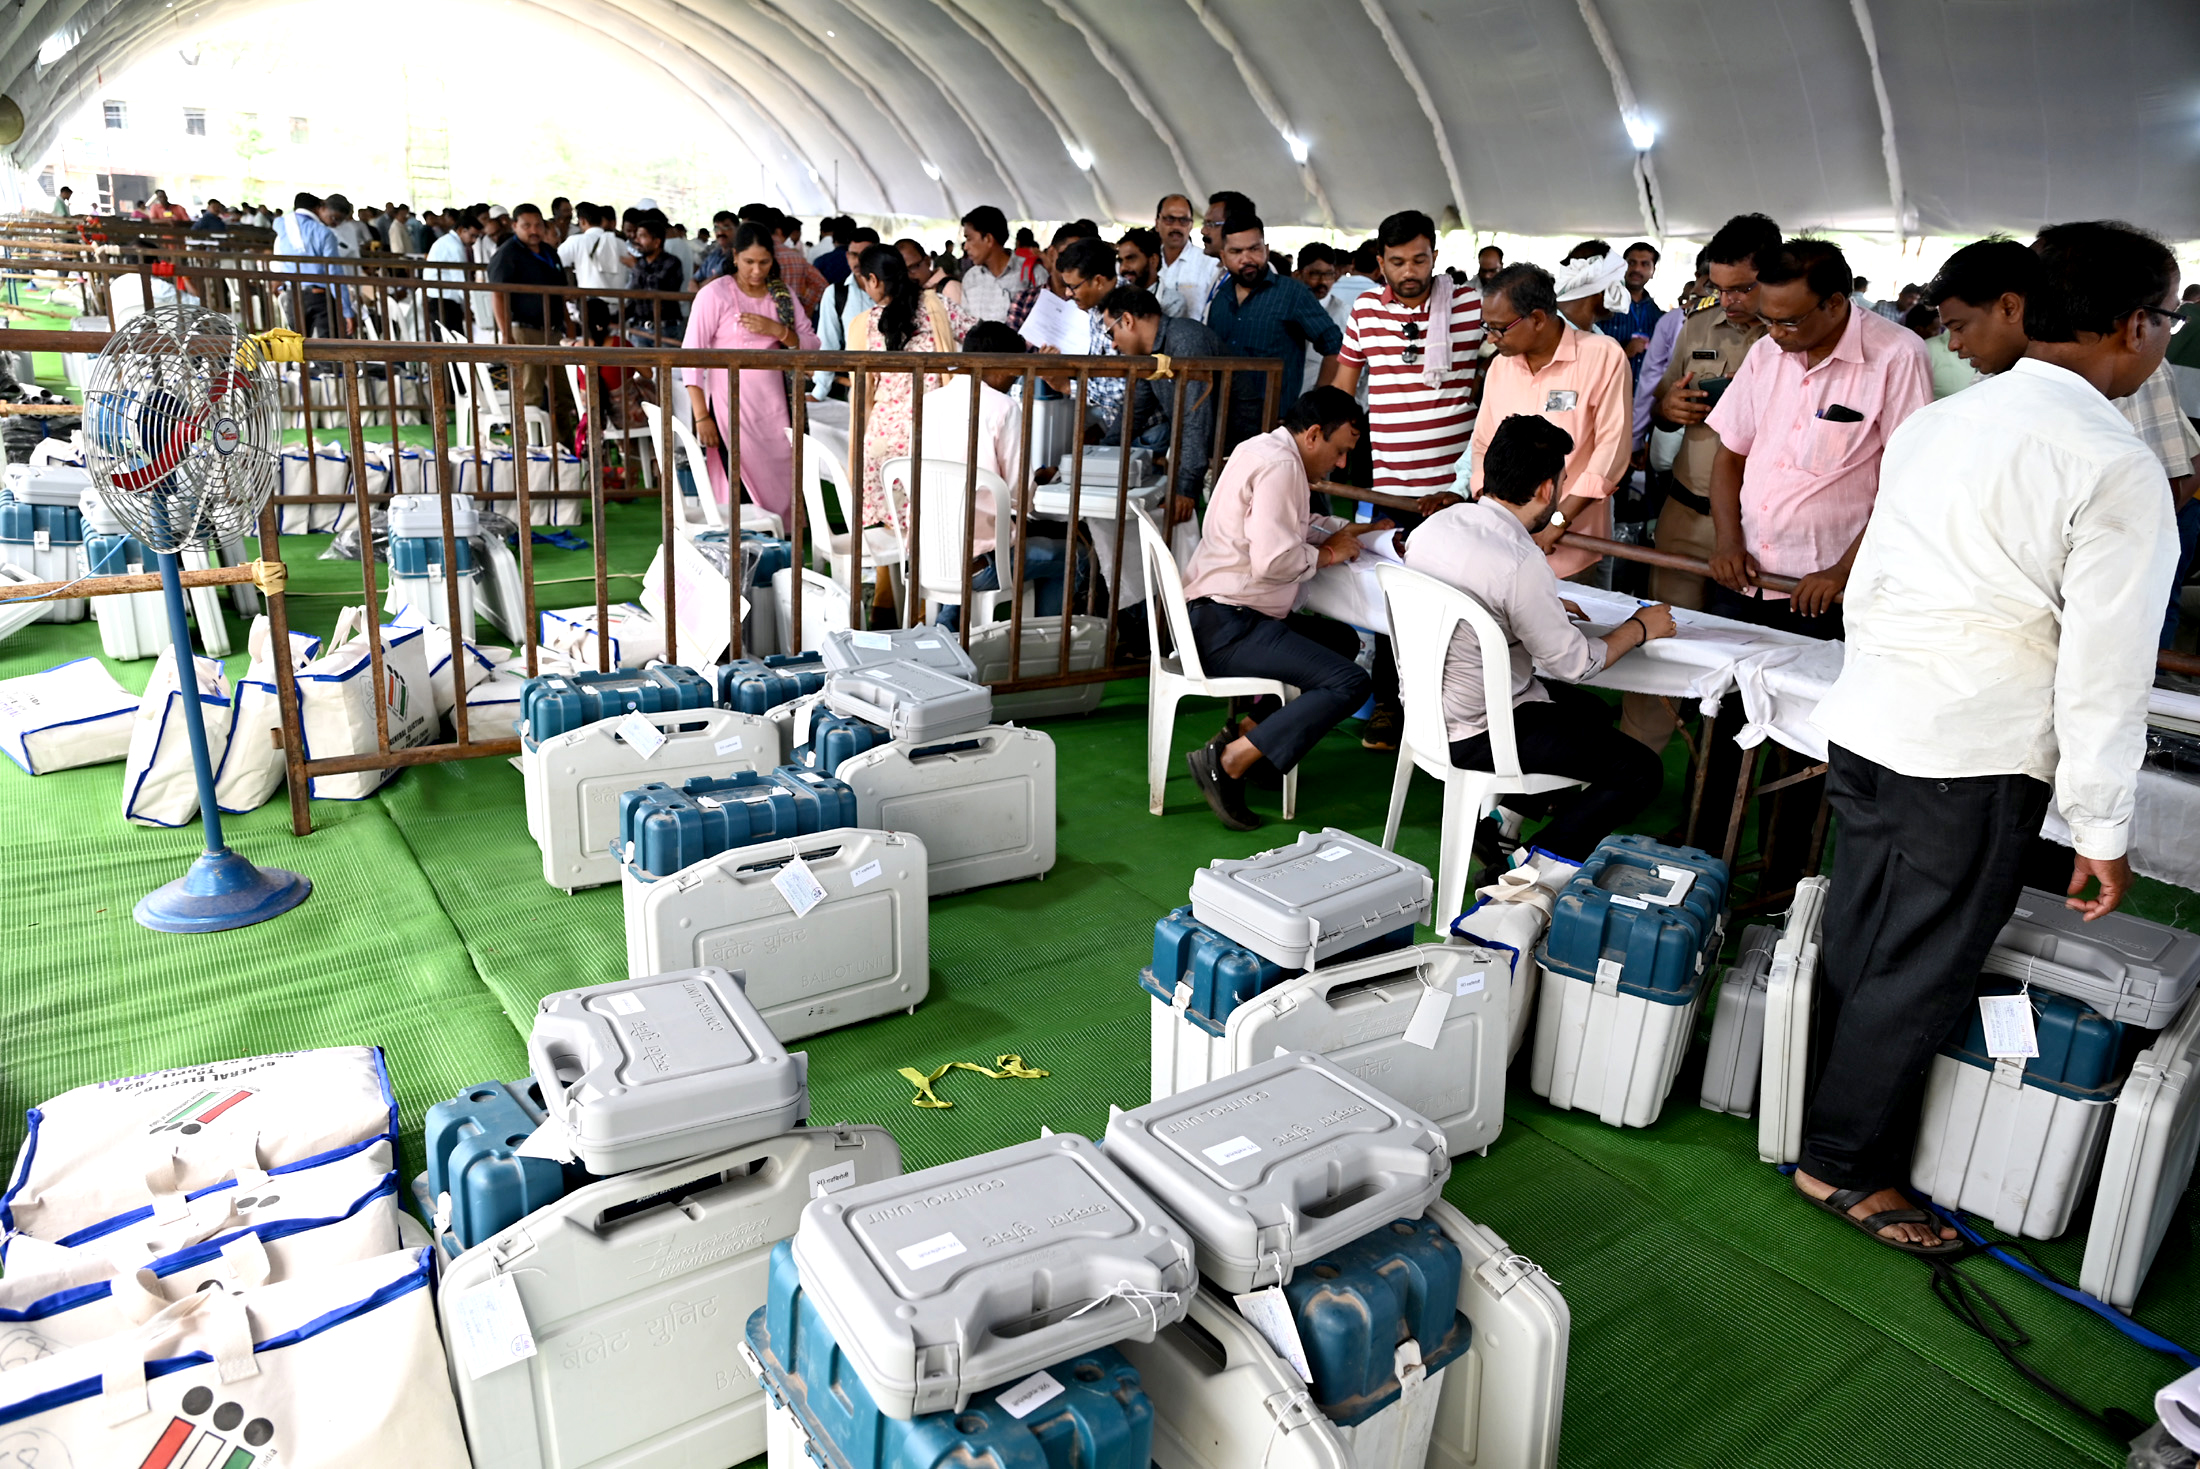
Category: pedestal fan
[182,418]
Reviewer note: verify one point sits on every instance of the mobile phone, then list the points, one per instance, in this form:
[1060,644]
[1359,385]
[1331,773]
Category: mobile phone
[1712,388]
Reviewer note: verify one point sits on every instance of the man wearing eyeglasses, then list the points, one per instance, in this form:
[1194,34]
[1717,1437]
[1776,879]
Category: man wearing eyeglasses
[1187,275]
[1801,431]
[1708,352]
[2001,624]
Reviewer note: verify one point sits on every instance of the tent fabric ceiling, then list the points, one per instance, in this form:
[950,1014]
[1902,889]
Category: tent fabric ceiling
[2005,114]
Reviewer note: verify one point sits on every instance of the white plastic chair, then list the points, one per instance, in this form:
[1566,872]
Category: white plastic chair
[880,545]
[1174,677]
[940,485]
[1424,613]
[610,435]
[824,607]
[708,516]
[496,406]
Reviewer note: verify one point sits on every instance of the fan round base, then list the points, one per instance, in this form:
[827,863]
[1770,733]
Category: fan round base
[222,891]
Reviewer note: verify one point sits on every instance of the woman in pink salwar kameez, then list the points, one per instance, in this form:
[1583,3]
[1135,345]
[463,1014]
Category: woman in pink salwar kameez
[748,309]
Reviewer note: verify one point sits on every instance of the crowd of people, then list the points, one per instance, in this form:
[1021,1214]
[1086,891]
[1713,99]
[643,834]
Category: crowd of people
[1984,487]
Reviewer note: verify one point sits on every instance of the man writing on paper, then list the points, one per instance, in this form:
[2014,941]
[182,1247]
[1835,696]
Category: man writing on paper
[2001,616]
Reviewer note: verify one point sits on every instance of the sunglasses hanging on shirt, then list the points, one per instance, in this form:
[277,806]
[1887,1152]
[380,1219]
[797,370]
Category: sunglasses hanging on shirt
[1412,353]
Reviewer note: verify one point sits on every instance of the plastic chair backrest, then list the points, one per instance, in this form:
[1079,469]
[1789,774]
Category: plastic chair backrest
[1164,581]
[820,463]
[1424,615]
[698,466]
[824,604]
[940,485]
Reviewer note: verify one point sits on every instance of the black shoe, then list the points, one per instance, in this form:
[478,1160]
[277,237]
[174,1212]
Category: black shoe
[1383,728]
[1225,794]
[1261,775]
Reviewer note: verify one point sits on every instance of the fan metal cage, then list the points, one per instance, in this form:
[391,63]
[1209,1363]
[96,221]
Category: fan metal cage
[182,418]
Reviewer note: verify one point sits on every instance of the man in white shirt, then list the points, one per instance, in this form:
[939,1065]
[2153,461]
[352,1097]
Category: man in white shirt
[1186,274]
[597,256]
[2001,616]
[1487,549]
[454,249]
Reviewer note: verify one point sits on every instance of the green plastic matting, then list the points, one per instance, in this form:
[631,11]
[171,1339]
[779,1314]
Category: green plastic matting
[1716,1320]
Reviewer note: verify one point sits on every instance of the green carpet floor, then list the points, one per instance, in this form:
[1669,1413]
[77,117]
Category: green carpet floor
[1716,1321]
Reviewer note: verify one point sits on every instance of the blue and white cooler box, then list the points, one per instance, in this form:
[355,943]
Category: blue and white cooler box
[587,738]
[640,1287]
[664,828]
[42,529]
[761,684]
[1632,936]
[133,626]
[416,559]
[844,938]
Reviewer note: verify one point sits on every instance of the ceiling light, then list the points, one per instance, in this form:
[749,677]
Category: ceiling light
[1297,145]
[931,170]
[1640,131]
[1081,158]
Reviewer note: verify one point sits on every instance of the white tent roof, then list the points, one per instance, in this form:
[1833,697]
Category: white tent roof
[1977,116]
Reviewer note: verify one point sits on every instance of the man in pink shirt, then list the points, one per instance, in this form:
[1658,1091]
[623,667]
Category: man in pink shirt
[1801,429]
[1578,380]
[1260,541]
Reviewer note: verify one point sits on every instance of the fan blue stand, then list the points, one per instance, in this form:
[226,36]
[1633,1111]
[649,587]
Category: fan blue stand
[222,890]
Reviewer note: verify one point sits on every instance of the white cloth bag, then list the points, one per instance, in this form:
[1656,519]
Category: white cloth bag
[480,663]
[290,1227]
[145,1142]
[637,639]
[252,768]
[336,695]
[341,1371]
[69,715]
[159,785]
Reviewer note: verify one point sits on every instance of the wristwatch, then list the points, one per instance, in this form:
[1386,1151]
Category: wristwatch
[1558,518]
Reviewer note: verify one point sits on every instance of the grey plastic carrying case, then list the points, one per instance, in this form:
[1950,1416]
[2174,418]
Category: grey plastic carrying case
[2126,968]
[862,951]
[980,1272]
[934,647]
[1732,1066]
[913,703]
[1280,1164]
[637,1290]
[982,803]
[1327,892]
[648,1071]
[1039,655]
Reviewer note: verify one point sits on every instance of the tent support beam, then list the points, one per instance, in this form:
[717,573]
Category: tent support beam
[1113,66]
[1412,74]
[1039,99]
[1264,97]
[947,95]
[1630,115]
[1887,151]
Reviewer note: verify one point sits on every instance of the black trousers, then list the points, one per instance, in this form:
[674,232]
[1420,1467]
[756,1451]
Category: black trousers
[1573,735]
[1313,653]
[1924,875]
[1774,612]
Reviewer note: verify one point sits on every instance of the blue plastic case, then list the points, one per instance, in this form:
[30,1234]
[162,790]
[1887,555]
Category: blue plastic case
[664,828]
[754,685]
[471,1142]
[1100,1418]
[1355,1306]
[113,554]
[557,702]
[2081,1050]
[1612,909]
[834,738]
[1222,972]
[419,555]
[22,520]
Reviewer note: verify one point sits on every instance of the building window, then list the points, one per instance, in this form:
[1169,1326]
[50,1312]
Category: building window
[118,114]
[194,121]
[297,130]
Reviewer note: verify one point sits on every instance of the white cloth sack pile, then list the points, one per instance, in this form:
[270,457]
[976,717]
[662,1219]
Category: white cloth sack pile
[236,1236]
[542,479]
[412,469]
[480,663]
[637,639]
[325,472]
[336,696]
[159,785]
[251,770]
[69,715]
[497,698]
[340,1371]
[142,1145]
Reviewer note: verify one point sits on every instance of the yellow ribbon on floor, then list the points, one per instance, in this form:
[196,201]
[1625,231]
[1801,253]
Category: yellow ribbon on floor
[1011,1066]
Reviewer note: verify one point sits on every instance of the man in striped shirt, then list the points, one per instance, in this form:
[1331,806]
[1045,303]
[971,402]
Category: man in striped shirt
[1418,339]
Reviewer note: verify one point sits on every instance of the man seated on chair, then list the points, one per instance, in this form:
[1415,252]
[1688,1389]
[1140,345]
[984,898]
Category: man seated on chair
[1486,548]
[1261,541]
[1000,450]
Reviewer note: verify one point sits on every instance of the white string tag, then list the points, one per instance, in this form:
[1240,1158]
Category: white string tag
[2008,1023]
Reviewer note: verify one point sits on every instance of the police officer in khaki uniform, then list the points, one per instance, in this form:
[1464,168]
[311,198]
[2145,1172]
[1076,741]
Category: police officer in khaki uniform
[1706,355]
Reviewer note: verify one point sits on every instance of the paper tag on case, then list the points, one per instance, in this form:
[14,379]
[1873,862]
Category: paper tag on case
[799,886]
[931,1251]
[868,872]
[2008,1023]
[1231,1151]
[491,1326]
[731,745]
[832,1180]
[627,1003]
[1470,984]
[1428,1018]
[1270,1312]
[645,738]
[871,640]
